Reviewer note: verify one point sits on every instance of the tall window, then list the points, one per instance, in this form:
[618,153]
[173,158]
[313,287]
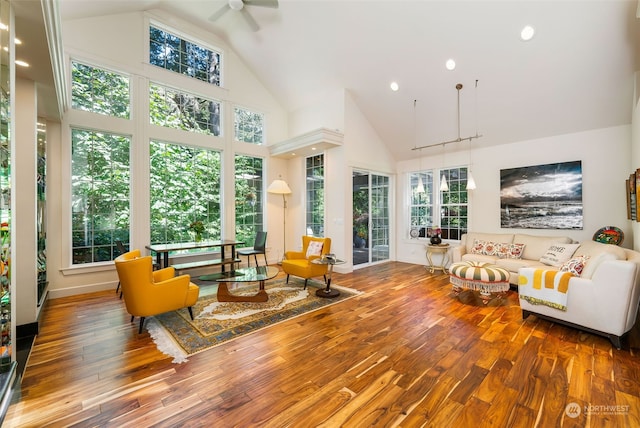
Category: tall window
[436,208]
[180,110]
[315,195]
[421,205]
[185,188]
[173,53]
[249,208]
[99,194]
[99,91]
[249,126]
[454,204]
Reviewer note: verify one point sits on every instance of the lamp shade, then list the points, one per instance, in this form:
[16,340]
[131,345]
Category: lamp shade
[471,183]
[444,187]
[279,187]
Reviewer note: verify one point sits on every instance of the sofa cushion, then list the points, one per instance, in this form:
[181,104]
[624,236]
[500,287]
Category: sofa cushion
[557,254]
[536,246]
[598,253]
[493,237]
[509,251]
[575,265]
[479,258]
[478,246]
[512,265]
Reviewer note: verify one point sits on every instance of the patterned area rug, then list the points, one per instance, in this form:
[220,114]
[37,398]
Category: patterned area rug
[218,322]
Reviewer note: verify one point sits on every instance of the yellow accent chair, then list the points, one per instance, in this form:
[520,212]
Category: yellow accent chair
[298,263]
[148,292]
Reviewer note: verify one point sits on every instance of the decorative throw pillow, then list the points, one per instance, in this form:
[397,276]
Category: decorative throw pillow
[314,248]
[490,248]
[509,251]
[557,254]
[478,246]
[575,265]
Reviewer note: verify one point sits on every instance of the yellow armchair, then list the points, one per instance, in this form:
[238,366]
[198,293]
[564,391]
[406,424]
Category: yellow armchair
[297,263]
[148,292]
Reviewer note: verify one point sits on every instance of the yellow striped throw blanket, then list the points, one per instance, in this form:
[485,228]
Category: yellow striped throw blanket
[545,287]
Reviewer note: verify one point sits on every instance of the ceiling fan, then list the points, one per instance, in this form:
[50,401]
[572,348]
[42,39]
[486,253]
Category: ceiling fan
[239,5]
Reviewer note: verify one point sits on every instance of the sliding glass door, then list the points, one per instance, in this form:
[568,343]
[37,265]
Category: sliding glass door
[370,218]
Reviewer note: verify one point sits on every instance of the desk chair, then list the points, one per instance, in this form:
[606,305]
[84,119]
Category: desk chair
[259,247]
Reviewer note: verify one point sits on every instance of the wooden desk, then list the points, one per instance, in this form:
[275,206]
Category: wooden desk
[162,254]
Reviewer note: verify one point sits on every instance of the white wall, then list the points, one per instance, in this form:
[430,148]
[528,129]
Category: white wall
[25,249]
[606,163]
[327,112]
[362,149]
[635,148]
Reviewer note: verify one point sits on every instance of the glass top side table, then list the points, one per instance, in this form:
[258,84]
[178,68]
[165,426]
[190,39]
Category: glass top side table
[330,260]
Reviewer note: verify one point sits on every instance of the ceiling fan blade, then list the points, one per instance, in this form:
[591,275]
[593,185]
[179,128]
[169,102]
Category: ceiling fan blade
[218,14]
[252,22]
[262,3]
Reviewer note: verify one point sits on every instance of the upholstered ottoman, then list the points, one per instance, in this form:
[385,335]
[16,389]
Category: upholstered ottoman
[479,276]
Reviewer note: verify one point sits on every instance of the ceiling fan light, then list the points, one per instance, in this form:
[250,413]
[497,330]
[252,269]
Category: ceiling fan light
[236,4]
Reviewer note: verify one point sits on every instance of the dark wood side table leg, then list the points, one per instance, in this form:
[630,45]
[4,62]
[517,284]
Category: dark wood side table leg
[166,259]
[328,292]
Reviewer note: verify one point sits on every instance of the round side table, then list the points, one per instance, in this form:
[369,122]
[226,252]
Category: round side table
[442,249]
[330,262]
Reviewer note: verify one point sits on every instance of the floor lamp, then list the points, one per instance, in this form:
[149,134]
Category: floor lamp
[280,187]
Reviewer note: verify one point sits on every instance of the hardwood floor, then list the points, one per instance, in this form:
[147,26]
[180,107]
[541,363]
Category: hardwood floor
[406,353]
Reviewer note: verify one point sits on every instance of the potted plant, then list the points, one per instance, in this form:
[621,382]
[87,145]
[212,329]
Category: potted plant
[197,227]
[435,238]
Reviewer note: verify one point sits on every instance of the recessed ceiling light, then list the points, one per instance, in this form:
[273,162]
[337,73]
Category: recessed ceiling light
[451,64]
[527,33]
[394,86]
[22,63]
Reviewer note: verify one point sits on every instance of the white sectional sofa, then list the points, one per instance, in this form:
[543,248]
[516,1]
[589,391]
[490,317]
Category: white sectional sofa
[602,298]
[534,248]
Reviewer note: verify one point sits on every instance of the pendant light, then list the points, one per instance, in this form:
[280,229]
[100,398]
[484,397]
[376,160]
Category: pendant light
[471,183]
[420,187]
[444,186]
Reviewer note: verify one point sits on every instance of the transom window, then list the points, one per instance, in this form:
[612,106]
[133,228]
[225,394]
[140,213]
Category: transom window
[315,195]
[181,110]
[249,206]
[249,126]
[99,91]
[99,194]
[185,188]
[173,53]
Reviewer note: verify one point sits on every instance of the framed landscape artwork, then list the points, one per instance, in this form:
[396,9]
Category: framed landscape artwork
[542,196]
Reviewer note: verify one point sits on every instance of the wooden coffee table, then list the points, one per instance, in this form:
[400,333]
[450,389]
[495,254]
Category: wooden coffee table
[252,274]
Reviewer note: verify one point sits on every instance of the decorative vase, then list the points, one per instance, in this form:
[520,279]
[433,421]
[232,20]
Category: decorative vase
[436,240]
[198,237]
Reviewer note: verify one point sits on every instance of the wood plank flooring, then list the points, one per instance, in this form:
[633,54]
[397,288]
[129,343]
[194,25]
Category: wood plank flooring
[407,353]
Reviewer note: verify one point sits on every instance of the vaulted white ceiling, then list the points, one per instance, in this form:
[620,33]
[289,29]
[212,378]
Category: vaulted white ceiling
[576,74]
